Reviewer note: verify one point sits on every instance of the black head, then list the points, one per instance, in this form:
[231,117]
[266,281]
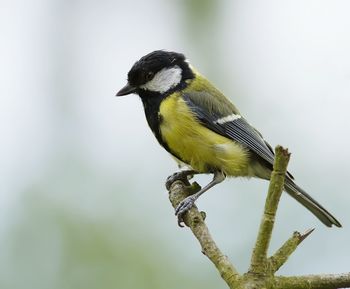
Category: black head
[158,72]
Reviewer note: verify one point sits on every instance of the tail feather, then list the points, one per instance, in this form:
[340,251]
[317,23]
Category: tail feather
[308,202]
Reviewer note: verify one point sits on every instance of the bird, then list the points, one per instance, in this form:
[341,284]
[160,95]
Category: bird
[202,129]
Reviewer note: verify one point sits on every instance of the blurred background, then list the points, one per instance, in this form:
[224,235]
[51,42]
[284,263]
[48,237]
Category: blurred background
[82,197]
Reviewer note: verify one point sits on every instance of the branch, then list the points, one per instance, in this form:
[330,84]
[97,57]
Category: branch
[195,220]
[262,268]
[325,281]
[287,249]
[259,256]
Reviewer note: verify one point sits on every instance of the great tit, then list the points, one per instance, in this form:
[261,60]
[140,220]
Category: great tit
[203,129]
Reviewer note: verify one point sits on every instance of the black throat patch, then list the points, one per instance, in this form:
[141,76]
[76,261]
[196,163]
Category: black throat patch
[151,103]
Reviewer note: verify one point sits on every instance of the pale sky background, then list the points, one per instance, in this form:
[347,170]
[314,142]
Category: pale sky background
[82,197]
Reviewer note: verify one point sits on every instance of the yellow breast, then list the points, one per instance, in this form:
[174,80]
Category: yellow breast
[198,146]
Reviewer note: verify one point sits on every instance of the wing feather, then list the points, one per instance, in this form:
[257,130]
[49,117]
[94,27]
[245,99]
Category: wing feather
[238,130]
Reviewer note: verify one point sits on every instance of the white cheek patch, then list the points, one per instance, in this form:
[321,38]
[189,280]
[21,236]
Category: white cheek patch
[164,80]
[228,118]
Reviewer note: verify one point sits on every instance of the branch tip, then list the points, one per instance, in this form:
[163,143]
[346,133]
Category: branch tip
[307,233]
[283,151]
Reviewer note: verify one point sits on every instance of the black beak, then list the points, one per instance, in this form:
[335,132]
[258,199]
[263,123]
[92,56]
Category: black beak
[127,89]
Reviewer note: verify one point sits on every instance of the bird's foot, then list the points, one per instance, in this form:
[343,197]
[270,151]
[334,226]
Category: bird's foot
[182,176]
[183,207]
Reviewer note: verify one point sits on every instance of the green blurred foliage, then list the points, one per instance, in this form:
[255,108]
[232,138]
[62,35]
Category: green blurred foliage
[53,246]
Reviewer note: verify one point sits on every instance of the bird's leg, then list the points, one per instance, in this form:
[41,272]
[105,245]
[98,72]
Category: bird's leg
[188,202]
[181,175]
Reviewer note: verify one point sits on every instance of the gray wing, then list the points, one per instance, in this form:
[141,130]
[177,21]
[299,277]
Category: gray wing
[220,115]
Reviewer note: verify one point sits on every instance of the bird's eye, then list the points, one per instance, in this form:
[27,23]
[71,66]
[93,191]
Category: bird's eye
[149,75]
